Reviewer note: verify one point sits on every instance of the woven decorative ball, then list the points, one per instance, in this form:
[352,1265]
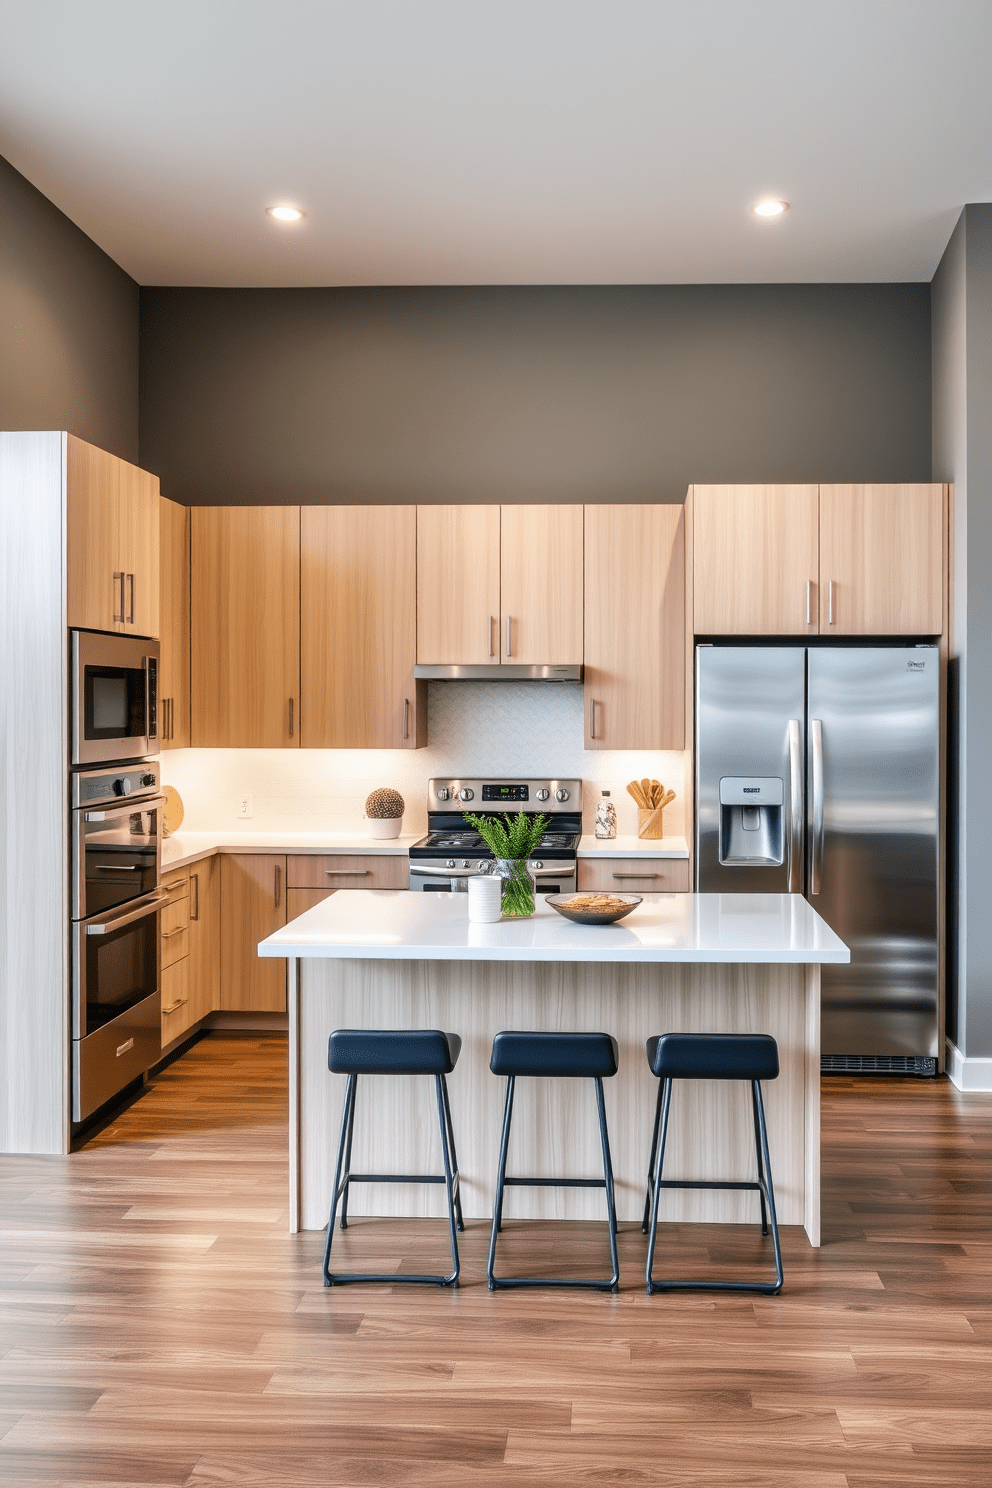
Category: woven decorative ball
[384,803]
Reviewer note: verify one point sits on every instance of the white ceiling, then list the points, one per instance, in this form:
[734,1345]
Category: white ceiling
[508,142]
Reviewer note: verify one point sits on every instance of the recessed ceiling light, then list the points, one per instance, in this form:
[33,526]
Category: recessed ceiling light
[285,214]
[771,208]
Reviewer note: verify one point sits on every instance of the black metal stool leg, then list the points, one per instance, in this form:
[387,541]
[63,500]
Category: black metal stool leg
[666,1093]
[654,1149]
[500,1182]
[346,1181]
[611,1208]
[454,1154]
[766,1160]
[450,1179]
[342,1140]
[762,1176]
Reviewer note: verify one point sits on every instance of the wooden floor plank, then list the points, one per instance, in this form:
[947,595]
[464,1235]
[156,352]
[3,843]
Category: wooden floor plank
[159,1328]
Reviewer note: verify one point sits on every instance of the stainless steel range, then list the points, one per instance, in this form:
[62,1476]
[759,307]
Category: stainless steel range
[453,852]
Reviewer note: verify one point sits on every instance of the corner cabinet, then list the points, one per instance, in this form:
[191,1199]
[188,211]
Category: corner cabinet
[358,629]
[113,543]
[245,627]
[173,667]
[866,560]
[499,585]
[634,627]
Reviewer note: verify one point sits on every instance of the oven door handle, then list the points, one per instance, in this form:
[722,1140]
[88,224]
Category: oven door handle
[146,906]
[448,872]
[127,807]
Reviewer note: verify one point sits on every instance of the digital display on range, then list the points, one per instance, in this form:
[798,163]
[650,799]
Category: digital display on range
[505,792]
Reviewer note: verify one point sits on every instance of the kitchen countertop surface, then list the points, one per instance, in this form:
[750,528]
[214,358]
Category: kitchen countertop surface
[633,847]
[395,925]
[188,847]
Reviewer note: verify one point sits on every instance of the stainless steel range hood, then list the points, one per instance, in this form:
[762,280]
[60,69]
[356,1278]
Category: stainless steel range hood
[500,672]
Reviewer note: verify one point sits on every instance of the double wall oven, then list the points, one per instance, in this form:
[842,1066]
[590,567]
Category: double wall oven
[116,851]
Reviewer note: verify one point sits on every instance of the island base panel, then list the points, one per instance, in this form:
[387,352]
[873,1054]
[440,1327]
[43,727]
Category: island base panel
[555,1129]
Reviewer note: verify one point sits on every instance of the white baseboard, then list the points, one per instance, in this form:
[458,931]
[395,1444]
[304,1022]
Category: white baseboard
[968,1074]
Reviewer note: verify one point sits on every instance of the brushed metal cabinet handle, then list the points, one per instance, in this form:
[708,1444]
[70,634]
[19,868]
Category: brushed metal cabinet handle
[276,885]
[291,718]
[831,586]
[174,1007]
[809,601]
[168,934]
[508,651]
[592,718]
[406,718]
[194,910]
[119,597]
[489,639]
[347,872]
[638,875]
[130,618]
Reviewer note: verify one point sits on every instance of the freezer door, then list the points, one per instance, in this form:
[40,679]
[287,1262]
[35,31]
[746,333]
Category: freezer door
[750,749]
[873,767]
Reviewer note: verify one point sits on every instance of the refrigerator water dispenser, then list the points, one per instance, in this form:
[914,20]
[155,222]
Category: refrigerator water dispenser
[752,827]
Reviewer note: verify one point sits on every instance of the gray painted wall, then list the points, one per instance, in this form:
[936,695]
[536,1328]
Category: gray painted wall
[68,326]
[543,394]
[962,452]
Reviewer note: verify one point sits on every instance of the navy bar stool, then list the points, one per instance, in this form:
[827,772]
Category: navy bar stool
[588,1056]
[355,1052]
[711,1056]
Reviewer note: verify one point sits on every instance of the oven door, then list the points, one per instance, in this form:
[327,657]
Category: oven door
[114,698]
[116,855]
[114,964]
[553,878]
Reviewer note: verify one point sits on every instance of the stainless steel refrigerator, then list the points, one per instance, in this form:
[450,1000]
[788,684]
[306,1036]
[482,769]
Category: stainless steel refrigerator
[818,773]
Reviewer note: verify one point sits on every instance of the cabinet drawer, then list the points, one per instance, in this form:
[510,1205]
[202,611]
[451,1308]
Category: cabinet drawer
[173,932]
[650,876]
[175,1001]
[338,871]
[177,885]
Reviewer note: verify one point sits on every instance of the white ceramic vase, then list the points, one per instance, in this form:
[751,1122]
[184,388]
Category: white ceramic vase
[384,826]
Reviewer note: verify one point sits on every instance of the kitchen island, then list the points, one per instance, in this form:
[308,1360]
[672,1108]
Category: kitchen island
[679,963]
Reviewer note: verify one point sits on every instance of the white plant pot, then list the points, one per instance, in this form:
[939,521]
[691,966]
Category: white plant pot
[384,826]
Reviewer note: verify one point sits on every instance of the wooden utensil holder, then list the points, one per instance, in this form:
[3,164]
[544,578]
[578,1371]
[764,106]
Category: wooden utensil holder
[650,822]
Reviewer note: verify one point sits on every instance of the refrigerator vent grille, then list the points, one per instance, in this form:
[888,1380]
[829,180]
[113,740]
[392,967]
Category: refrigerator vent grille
[878,1064]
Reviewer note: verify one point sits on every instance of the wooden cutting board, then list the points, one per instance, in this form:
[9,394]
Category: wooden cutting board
[172,811]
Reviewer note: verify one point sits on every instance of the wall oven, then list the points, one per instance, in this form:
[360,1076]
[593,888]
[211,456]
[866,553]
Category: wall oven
[116,858]
[114,705]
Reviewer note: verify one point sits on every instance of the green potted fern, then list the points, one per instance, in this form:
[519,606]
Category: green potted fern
[511,841]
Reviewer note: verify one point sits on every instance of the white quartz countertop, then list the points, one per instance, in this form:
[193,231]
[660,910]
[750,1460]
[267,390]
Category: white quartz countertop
[395,925]
[633,847]
[188,847]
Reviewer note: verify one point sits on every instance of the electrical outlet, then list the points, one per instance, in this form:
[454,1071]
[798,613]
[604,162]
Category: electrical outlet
[245,806]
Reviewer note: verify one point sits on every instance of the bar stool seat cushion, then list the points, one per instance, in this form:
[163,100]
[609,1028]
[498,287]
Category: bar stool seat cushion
[578,1055]
[414,1051]
[713,1056]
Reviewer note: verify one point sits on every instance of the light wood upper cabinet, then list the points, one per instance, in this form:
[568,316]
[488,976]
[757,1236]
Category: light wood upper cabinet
[173,667]
[113,541]
[253,905]
[139,549]
[755,565]
[541,584]
[95,576]
[881,560]
[245,627]
[634,627]
[358,628]
[204,937]
[457,584]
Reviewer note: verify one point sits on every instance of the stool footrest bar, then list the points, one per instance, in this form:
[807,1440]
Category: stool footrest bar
[556,1182]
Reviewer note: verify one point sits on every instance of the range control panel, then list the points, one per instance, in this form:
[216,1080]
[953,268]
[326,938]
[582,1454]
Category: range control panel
[473,794]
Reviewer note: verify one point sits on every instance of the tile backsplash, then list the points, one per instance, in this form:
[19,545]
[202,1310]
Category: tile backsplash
[474,728]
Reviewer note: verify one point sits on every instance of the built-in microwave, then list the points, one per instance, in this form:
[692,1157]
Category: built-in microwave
[114,697]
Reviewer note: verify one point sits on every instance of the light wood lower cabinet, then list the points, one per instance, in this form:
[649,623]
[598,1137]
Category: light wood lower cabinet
[175,1001]
[634,627]
[298,901]
[345,871]
[253,905]
[245,627]
[204,937]
[173,945]
[629,875]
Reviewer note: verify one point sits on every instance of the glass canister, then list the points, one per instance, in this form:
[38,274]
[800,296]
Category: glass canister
[519,887]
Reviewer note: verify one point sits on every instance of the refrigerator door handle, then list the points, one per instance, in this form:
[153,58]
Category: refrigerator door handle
[795,810]
[816,826]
